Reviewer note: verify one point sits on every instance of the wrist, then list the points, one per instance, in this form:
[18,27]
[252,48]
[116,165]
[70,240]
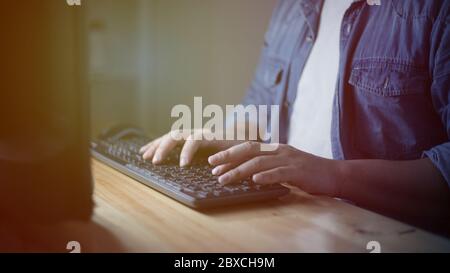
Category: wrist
[339,173]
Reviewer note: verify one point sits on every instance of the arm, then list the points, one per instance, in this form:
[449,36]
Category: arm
[411,190]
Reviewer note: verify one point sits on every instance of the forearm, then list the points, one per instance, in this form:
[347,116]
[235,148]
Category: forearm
[412,190]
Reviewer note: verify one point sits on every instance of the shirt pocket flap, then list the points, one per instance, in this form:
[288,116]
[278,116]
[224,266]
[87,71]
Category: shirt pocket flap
[388,78]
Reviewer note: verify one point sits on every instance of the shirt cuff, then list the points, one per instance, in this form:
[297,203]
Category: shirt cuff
[440,157]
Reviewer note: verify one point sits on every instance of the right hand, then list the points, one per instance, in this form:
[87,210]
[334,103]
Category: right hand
[158,149]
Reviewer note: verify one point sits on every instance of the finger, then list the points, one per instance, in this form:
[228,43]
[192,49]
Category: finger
[236,153]
[167,144]
[250,167]
[189,149]
[144,148]
[222,145]
[272,176]
[151,148]
[221,169]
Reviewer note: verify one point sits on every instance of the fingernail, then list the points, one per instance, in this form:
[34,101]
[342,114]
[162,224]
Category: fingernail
[223,179]
[183,162]
[215,171]
[156,159]
[257,178]
[211,160]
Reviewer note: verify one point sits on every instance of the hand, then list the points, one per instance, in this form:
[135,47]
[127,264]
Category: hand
[158,149]
[285,164]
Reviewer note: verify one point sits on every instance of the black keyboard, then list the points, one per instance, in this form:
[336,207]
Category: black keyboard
[194,185]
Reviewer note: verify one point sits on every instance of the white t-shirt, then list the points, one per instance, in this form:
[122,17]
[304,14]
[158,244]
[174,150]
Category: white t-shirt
[310,124]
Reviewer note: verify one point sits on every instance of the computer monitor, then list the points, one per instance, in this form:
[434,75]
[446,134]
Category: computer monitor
[44,157]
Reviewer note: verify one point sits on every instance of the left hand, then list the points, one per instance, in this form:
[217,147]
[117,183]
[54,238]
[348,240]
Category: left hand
[312,174]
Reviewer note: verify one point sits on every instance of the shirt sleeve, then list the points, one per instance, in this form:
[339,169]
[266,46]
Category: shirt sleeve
[256,93]
[440,89]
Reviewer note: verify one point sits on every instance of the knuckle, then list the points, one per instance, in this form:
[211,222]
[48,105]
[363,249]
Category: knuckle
[248,146]
[269,176]
[225,154]
[258,161]
[235,173]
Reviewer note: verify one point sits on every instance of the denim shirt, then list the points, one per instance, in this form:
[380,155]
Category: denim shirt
[393,86]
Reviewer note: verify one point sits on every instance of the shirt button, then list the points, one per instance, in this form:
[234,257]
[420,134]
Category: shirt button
[309,38]
[286,104]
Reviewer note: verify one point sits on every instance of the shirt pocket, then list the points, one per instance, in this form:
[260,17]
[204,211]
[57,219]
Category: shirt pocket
[389,78]
[390,103]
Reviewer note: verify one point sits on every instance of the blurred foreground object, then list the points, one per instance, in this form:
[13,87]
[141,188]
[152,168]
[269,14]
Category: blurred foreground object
[44,160]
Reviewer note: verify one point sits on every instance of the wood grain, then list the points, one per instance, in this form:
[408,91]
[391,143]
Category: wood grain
[144,220]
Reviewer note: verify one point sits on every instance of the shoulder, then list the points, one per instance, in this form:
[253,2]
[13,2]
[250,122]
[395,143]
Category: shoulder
[284,13]
[416,9]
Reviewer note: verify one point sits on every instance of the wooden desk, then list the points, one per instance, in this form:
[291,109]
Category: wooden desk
[145,220]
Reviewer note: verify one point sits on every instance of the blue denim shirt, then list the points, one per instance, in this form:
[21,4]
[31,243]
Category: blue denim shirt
[393,86]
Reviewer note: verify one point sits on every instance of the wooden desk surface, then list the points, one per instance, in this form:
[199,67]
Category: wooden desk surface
[147,221]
